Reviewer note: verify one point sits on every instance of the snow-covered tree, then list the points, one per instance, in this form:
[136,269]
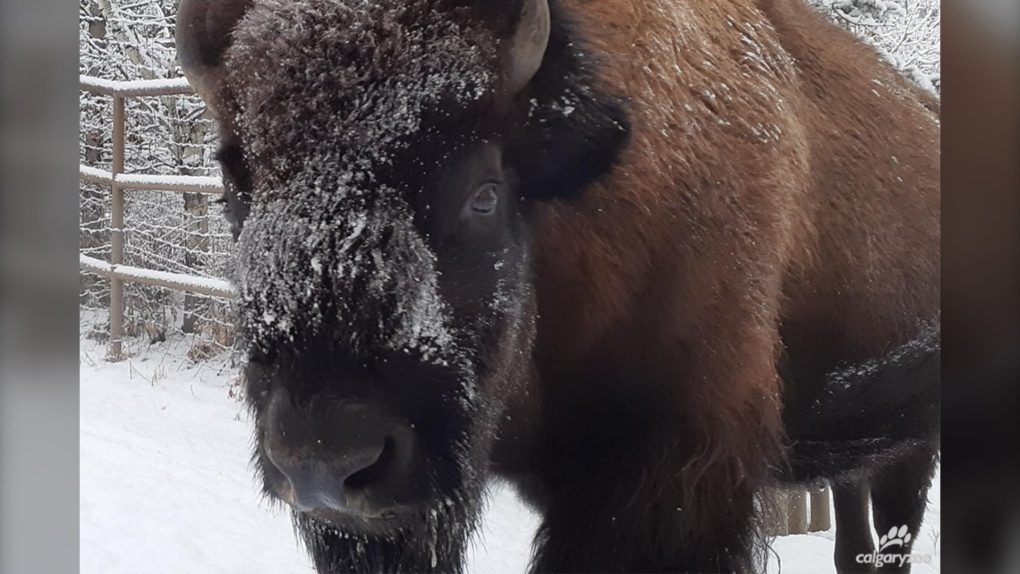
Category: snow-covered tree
[905,32]
[130,40]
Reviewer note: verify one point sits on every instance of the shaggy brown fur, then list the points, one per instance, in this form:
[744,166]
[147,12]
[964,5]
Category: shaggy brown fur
[731,214]
[781,180]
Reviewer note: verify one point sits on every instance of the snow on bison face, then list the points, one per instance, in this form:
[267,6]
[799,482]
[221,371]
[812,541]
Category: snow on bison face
[380,159]
[388,321]
[383,263]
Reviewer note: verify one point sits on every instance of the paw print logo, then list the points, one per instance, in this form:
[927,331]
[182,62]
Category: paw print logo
[896,537]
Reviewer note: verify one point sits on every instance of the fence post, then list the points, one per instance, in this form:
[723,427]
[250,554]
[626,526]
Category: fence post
[779,515]
[117,233]
[797,511]
[820,514]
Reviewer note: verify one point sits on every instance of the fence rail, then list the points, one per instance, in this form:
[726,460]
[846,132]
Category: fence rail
[175,281]
[135,88]
[119,182]
[142,181]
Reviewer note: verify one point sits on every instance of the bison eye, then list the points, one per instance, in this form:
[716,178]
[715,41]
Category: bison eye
[485,199]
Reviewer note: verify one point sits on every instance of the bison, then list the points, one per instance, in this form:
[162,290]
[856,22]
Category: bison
[643,259]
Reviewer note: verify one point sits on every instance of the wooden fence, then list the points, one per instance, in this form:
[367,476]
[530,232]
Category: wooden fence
[120,182]
[795,515]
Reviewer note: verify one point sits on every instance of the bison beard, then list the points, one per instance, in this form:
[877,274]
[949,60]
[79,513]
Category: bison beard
[644,259]
[437,544]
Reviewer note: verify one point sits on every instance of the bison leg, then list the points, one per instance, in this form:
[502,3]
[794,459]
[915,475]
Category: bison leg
[853,529]
[630,515]
[899,495]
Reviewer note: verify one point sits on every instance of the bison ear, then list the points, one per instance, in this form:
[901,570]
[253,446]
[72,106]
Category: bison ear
[204,30]
[567,146]
[203,35]
[571,131]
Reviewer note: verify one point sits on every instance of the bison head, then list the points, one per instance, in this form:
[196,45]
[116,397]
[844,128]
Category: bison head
[382,161]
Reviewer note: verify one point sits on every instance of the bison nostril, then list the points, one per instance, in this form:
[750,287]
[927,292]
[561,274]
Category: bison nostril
[320,481]
[361,468]
[375,472]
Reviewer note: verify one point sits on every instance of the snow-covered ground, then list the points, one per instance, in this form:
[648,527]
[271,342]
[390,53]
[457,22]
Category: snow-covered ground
[166,487]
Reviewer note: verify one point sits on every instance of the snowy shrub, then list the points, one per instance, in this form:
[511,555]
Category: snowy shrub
[905,32]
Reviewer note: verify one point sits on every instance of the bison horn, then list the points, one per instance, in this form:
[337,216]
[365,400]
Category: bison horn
[203,35]
[527,46]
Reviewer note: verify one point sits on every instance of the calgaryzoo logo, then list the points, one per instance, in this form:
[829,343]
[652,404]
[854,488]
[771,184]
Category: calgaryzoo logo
[895,540]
